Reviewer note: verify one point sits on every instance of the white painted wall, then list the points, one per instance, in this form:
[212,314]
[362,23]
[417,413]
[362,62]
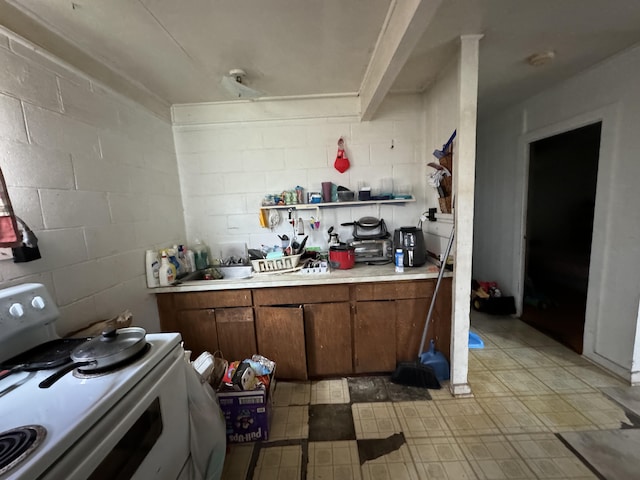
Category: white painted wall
[606,92]
[231,155]
[95,176]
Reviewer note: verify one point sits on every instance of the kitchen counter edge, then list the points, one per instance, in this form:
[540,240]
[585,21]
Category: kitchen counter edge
[358,274]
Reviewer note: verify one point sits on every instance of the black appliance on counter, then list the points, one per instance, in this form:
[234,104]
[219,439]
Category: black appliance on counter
[371,241]
[411,241]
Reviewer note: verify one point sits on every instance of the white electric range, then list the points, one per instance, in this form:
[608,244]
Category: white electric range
[132,422]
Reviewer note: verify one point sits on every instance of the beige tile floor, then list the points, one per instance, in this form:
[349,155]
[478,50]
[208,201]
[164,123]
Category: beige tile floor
[527,388]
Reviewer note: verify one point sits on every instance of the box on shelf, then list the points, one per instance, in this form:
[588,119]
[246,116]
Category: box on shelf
[247,413]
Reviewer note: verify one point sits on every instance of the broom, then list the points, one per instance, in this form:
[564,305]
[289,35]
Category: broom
[417,373]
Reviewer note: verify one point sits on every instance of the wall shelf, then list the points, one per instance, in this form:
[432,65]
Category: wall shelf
[355,203]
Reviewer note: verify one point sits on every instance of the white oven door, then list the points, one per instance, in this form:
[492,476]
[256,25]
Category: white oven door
[146,435]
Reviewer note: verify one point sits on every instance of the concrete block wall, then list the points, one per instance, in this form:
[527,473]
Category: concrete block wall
[226,167]
[95,176]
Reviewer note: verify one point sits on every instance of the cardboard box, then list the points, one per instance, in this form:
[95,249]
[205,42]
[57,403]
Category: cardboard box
[247,414]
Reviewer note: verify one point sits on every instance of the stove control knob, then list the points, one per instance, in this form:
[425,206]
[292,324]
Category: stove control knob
[16,310]
[38,303]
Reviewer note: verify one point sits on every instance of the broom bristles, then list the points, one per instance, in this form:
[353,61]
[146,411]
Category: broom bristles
[415,374]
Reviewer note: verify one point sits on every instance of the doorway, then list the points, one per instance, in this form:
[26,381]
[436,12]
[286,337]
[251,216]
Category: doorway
[563,170]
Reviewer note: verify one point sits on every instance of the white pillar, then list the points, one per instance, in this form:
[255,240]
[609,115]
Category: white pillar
[464,182]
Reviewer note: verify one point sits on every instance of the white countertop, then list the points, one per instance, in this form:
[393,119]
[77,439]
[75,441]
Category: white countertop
[361,273]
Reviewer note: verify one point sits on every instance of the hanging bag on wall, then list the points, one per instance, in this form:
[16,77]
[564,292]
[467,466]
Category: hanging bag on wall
[342,162]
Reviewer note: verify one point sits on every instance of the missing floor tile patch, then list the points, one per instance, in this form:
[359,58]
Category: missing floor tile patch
[367,389]
[331,423]
[403,393]
[371,449]
[634,420]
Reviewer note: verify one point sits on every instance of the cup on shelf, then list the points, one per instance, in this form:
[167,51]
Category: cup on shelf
[326,191]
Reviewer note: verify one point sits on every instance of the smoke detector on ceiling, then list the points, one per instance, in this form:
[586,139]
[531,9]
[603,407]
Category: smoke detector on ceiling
[233,83]
[541,58]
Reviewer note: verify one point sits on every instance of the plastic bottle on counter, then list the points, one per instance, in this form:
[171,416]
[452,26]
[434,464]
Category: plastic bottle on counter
[166,273]
[152,267]
[201,254]
[399,260]
[174,257]
[188,258]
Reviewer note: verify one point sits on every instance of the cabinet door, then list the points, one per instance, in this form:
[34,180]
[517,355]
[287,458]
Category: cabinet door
[375,337]
[280,336]
[328,335]
[198,330]
[236,333]
[410,318]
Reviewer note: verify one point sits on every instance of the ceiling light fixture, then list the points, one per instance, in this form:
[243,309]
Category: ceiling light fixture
[541,58]
[233,84]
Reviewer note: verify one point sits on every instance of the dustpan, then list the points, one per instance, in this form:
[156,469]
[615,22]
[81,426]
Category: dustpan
[475,341]
[437,361]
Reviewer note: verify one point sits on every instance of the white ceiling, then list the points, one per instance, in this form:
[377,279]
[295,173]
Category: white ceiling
[178,51]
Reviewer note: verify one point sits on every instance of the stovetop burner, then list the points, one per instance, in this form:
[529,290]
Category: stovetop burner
[99,372]
[17,444]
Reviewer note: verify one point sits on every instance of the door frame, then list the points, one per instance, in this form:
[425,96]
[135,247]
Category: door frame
[610,117]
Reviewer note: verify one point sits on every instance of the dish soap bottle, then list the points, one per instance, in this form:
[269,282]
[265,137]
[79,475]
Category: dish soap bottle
[166,274]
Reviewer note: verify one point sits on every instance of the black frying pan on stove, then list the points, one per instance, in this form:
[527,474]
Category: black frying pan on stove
[109,350]
[52,354]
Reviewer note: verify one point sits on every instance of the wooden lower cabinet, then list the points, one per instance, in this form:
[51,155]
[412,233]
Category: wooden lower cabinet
[280,337]
[411,315]
[320,331]
[328,339]
[374,337]
[236,332]
[198,330]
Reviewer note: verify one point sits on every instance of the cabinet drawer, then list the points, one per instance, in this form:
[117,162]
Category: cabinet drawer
[225,298]
[300,295]
[394,290]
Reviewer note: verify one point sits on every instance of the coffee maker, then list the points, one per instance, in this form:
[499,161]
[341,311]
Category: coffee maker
[411,241]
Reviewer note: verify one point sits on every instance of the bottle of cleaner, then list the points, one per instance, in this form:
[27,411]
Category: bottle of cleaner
[167,252]
[166,273]
[172,253]
[152,267]
[399,260]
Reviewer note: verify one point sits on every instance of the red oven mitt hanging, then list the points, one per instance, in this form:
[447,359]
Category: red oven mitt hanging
[342,162]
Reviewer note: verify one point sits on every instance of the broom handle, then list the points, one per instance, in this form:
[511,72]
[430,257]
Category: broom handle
[435,292]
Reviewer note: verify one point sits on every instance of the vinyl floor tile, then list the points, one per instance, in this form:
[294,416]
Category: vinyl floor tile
[333,461]
[292,393]
[289,423]
[493,457]
[511,415]
[421,420]
[548,457]
[330,391]
[279,463]
[375,420]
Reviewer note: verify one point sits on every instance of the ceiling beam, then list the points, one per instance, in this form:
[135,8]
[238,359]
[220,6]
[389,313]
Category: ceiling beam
[406,21]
